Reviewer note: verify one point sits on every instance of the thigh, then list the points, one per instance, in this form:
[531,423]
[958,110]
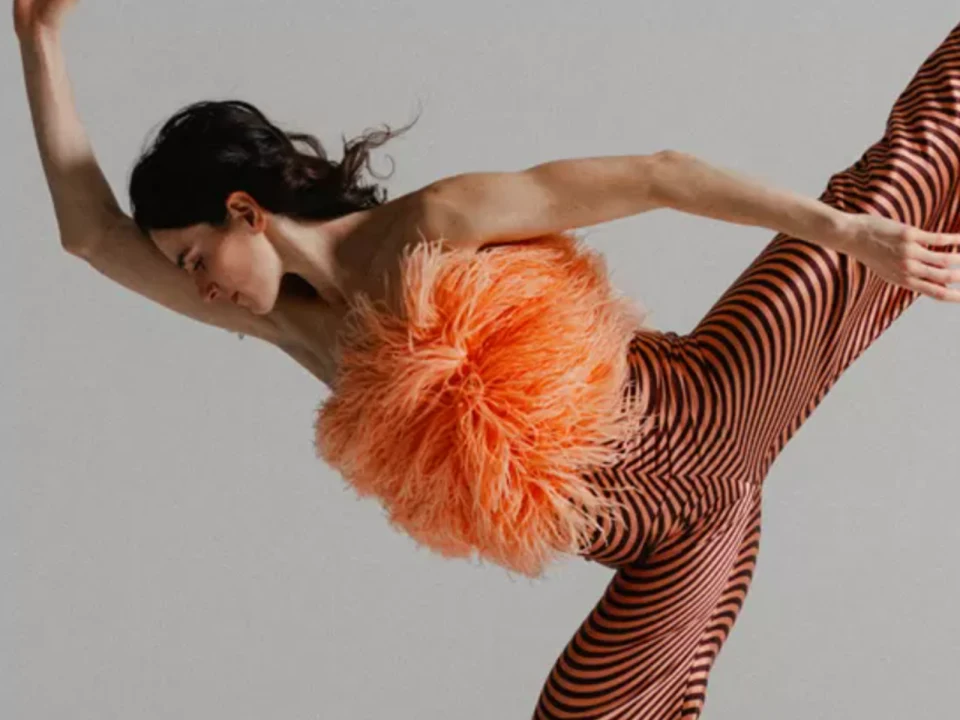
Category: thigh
[646,649]
[768,352]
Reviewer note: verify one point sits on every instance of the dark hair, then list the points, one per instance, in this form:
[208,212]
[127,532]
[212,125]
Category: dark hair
[210,149]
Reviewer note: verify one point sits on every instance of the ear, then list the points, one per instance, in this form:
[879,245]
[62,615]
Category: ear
[241,206]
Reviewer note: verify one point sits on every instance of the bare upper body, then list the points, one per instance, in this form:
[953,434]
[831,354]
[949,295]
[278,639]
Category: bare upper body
[302,323]
[238,269]
[305,327]
[239,277]
[308,326]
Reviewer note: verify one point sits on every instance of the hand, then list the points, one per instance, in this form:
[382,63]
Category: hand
[899,254]
[30,16]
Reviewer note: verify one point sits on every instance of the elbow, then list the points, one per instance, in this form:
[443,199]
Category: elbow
[77,248]
[84,242]
[670,157]
[666,155]
[662,175]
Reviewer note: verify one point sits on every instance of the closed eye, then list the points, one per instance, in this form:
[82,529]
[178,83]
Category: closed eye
[181,259]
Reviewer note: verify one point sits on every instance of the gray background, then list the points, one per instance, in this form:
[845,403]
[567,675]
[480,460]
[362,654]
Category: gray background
[171,546]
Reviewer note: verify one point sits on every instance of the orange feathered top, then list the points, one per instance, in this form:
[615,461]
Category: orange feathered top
[473,408]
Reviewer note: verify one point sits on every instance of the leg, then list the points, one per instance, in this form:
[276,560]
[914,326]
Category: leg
[774,344]
[727,397]
[645,651]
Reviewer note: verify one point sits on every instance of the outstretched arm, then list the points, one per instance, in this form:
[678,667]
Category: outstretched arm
[91,223]
[580,192]
[473,209]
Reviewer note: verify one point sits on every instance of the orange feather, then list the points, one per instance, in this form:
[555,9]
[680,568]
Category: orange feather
[474,412]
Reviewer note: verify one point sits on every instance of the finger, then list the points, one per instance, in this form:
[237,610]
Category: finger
[937,258]
[934,274]
[939,239]
[937,292]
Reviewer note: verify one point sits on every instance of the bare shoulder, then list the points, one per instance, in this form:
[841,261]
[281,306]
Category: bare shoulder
[472,209]
[436,211]
[308,327]
[423,214]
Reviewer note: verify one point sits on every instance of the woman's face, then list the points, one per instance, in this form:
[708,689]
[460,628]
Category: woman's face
[233,264]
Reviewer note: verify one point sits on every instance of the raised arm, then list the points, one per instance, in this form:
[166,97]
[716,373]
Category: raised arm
[83,201]
[90,221]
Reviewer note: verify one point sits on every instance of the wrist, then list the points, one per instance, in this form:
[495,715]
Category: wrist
[841,228]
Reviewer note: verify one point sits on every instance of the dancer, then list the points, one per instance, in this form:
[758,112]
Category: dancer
[489,386]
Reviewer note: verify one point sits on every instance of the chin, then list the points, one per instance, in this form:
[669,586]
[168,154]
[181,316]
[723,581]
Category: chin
[261,302]
[258,307]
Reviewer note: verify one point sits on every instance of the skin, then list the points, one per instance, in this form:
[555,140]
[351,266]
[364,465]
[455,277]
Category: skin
[245,260]
[251,253]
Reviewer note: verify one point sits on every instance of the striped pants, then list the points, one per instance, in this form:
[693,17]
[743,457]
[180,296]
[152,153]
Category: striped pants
[728,397]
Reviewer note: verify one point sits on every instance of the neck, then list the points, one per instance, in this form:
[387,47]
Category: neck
[319,251]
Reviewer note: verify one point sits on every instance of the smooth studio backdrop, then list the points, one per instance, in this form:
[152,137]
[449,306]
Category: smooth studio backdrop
[171,548]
